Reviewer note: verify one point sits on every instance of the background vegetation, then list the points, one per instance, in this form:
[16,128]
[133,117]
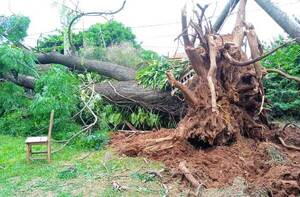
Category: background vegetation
[284,94]
[65,92]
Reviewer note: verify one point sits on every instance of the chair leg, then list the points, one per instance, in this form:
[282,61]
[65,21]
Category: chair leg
[28,152]
[49,152]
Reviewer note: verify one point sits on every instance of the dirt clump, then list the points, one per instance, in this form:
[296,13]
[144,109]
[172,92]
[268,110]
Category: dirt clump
[265,166]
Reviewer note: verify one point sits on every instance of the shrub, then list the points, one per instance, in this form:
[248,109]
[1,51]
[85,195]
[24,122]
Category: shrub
[283,93]
[123,54]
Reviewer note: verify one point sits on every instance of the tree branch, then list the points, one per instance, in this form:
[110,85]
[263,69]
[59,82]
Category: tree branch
[89,14]
[114,71]
[283,74]
[248,62]
[185,34]
[187,93]
[212,71]
[238,32]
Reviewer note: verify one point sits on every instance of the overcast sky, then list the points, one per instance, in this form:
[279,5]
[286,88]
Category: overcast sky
[155,22]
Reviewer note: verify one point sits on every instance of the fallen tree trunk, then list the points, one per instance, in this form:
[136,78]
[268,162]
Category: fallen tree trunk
[114,71]
[22,80]
[128,93]
[131,93]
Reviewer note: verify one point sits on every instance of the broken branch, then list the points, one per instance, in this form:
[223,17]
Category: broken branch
[283,74]
[187,93]
[89,14]
[248,62]
[292,147]
[185,34]
[188,175]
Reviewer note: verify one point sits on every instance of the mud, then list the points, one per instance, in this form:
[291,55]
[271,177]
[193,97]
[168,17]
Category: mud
[266,166]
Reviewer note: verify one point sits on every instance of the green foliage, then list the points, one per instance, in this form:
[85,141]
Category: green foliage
[58,90]
[69,173]
[97,140]
[109,33]
[97,36]
[12,59]
[141,117]
[284,93]
[16,60]
[123,54]
[12,98]
[154,74]
[14,27]
[16,123]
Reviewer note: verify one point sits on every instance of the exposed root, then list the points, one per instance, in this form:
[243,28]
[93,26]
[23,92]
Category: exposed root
[211,76]
[292,147]
[188,175]
[187,93]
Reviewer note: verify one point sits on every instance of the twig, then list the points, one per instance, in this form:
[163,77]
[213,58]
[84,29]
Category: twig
[188,175]
[82,130]
[288,146]
[283,74]
[187,93]
[134,131]
[248,62]
[89,14]
[130,126]
[262,104]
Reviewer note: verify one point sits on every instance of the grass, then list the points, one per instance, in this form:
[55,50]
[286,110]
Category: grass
[73,172]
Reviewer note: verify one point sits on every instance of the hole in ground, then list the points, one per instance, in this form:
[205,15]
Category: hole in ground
[198,143]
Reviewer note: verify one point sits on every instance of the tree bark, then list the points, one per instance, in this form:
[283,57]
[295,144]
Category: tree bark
[22,80]
[123,93]
[131,93]
[114,71]
[289,24]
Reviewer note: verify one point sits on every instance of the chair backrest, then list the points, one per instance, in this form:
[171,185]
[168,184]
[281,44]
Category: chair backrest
[50,125]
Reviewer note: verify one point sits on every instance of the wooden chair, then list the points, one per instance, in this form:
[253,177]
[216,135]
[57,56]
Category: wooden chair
[40,140]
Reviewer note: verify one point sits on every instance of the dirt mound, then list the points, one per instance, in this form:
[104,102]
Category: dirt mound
[264,165]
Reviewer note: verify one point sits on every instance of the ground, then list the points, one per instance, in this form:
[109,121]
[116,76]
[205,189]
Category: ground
[247,166]
[74,172]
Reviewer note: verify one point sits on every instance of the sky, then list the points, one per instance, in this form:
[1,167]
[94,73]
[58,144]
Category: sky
[156,23]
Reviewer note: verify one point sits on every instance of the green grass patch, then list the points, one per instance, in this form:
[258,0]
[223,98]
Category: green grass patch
[73,172]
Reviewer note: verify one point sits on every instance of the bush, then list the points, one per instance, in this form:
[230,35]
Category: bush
[283,93]
[123,54]
[96,140]
[154,73]
[57,89]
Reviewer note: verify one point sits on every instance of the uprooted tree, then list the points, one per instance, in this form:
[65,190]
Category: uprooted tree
[226,96]
[227,83]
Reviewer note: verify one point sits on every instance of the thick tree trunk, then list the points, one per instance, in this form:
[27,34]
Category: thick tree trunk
[114,71]
[22,80]
[128,93]
[289,24]
[131,93]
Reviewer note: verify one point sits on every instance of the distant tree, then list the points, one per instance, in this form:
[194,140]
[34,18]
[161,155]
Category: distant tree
[13,28]
[100,35]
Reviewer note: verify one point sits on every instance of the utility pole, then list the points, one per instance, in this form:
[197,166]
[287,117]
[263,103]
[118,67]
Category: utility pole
[226,10]
[289,24]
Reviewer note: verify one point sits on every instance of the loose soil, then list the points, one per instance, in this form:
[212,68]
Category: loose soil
[266,166]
